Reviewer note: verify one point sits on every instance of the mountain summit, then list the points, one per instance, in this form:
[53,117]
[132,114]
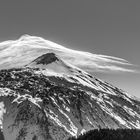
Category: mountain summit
[46,59]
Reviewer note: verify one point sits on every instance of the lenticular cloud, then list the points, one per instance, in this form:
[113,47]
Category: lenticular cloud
[17,53]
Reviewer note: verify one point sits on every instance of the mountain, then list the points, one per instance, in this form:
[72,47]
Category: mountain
[52,63]
[50,99]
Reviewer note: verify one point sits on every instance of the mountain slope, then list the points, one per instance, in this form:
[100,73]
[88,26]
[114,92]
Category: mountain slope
[50,99]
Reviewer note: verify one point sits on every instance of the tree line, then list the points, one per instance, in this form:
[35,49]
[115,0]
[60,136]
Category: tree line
[110,134]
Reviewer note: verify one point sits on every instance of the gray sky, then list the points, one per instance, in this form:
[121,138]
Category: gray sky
[109,27]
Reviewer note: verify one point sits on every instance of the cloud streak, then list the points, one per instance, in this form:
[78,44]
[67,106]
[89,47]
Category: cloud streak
[29,47]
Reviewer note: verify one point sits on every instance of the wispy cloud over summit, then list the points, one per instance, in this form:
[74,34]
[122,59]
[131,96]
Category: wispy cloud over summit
[26,48]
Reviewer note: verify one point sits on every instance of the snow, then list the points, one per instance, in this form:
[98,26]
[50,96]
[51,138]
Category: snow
[89,121]
[54,117]
[54,101]
[110,112]
[131,112]
[120,120]
[90,104]
[106,89]
[55,68]
[83,82]
[127,124]
[126,98]
[19,98]
[74,129]
[109,103]
[35,100]
[66,108]
[83,131]
[98,99]
[135,124]
[5,92]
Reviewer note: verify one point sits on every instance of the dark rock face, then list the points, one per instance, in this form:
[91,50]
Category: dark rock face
[46,59]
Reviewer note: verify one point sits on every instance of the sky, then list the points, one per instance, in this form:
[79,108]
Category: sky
[105,27]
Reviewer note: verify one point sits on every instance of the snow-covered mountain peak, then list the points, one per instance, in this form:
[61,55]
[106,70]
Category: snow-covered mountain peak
[50,64]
